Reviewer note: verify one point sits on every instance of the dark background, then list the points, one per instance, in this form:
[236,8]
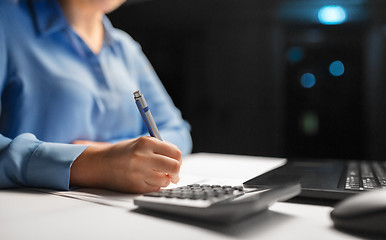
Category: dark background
[233,68]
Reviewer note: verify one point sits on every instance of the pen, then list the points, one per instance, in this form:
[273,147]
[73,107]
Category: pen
[146,115]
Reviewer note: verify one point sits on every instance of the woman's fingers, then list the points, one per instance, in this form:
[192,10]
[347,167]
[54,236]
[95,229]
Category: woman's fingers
[165,164]
[164,157]
[157,179]
[161,147]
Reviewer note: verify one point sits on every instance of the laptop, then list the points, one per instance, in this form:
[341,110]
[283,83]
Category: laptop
[332,179]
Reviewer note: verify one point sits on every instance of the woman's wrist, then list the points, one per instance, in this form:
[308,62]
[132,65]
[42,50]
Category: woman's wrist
[88,169]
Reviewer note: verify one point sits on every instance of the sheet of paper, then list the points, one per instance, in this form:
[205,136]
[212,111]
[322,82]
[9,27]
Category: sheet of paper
[203,168]
[224,168]
[98,196]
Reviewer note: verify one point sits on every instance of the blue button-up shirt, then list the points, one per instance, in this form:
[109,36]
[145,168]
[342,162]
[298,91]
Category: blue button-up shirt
[54,88]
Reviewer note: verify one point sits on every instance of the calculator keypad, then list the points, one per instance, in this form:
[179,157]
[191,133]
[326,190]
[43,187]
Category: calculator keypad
[217,203]
[199,192]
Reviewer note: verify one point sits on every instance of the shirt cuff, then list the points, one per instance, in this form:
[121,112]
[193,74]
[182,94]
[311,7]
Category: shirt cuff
[49,165]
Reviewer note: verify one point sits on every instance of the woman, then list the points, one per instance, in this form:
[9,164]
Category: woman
[67,76]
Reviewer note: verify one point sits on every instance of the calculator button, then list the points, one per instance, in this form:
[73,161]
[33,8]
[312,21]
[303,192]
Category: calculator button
[153,194]
[195,192]
[239,188]
[228,191]
[194,185]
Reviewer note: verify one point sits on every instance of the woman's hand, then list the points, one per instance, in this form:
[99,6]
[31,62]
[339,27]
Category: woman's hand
[138,165]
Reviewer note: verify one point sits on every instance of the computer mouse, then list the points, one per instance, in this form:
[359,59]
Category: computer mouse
[364,213]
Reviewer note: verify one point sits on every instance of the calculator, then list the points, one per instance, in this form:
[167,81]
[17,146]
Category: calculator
[216,203]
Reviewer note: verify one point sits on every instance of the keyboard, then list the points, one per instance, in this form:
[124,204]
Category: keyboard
[365,175]
[216,203]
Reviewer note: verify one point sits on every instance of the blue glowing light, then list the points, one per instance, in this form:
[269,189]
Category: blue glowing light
[307,80]
[295,54]
[337,68]
[332,15]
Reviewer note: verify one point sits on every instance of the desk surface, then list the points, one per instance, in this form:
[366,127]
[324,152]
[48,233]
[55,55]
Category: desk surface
[31,214]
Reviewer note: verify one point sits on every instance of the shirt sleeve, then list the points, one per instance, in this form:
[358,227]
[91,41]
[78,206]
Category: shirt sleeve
[27,162]
[173,128]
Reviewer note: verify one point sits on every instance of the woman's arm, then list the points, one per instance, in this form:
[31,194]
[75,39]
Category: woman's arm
[173,128]
[137,165]
[27,162]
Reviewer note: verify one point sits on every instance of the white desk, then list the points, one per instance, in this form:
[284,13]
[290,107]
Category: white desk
[30,214]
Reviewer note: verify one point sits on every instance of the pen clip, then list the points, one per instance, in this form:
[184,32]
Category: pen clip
[143,115]
[146,115]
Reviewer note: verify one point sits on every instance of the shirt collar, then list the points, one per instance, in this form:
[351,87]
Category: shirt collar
[108,28]
[48,16]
